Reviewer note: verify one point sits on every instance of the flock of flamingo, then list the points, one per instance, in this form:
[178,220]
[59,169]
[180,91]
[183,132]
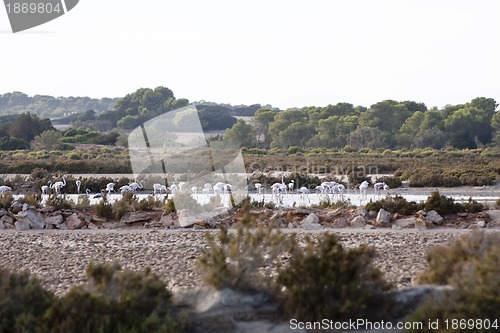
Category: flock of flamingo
[278,189]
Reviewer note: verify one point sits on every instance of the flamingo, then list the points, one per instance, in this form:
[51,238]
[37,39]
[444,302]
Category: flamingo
[110,187]
[338,189]
[362,189]
[125,188]
[291,185]
[181,185]
[4,188]
[380,186]
[78,184]
[258,187]
[59,185]
[304,192]
[136,185]
[99,195]
[45,188]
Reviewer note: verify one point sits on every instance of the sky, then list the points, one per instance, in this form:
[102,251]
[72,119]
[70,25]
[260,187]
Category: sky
[282,53]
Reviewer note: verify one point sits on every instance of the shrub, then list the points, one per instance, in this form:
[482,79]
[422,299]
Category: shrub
[22,302]
[324,280]
[31,199]
[115,300]
[83,202]
[59,202]
[6,200]
[149,203]
[472,266]
[103,209]
[392,182]
[442,204]
[235,259]
[396,204]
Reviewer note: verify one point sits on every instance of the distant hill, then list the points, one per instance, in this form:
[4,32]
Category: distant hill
[46,106]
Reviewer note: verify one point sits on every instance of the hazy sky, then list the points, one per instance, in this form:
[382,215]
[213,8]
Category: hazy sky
[283,53]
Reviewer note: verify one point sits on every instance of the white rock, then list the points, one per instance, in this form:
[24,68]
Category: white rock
[311,218]
[396,227]
[408,222]
[358,222]
[383,218]
[54,220]
[494,215]
[22,225]
[481,224]
[434,217]
[186,218]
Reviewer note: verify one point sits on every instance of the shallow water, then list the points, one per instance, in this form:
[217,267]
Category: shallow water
[298,200]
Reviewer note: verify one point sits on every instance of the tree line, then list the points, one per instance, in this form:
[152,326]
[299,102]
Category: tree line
[387,124]
[46,106]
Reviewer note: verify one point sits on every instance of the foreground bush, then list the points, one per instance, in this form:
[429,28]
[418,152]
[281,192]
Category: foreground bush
[472,266]
[234,259]
[22,302]
[114,300]
[324,280]
[320,280]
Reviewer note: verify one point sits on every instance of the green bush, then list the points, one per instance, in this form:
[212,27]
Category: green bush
[103,209]
[31,199]
[6,200]
[22,302]
[392,182]
[115,300]
[234,259]
[472,266]
[324,280]
[396,204]
[444,205]
[59,202]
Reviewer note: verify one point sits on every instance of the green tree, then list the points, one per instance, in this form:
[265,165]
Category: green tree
[28,125]
[263,118]
[241,134]
[48,140]
[387,116]
[469,127]
[366,137]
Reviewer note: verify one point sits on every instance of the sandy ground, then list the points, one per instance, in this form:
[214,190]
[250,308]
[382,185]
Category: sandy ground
[59,258]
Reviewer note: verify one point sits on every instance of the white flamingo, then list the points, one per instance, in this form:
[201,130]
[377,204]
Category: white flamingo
[5,188]
[338,190]
[291,185]
[258,187]
[100,195]
[136,185]
[362,189]
[57,186]
[45,188]
[78,184]
[304,192]
[125,188]
[110,187]
[379,187]
[181,185]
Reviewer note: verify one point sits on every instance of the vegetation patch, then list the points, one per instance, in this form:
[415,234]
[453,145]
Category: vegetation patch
[472,266]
